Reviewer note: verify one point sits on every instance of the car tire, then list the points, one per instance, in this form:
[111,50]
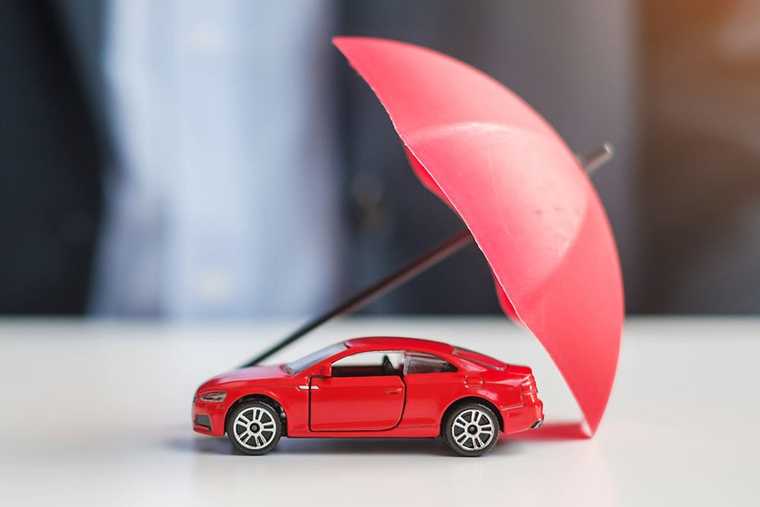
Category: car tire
[254,427]
[471,429]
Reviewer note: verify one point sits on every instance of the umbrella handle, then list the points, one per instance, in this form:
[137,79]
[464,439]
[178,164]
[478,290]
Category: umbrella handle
[591,162]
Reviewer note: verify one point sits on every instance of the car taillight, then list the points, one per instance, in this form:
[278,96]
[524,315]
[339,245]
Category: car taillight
[529,388]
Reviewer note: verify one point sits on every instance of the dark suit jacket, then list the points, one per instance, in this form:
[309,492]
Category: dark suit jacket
[54,143]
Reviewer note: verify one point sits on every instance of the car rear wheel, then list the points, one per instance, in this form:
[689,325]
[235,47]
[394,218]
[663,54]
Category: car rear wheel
[254,427]
[471,429]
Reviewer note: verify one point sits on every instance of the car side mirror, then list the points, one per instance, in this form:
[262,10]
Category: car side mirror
[324,371]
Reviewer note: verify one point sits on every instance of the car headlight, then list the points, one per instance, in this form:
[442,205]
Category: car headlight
[213,396]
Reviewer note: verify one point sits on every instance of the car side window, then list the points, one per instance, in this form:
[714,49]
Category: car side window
[417,362]
[369,364]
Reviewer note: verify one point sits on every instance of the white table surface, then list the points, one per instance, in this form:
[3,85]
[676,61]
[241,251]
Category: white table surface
[98,414]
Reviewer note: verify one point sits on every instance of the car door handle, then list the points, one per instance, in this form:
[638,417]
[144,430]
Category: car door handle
[395,390]
[308,388]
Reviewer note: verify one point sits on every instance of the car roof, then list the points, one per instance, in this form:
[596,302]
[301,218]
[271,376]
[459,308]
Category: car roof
[399,343]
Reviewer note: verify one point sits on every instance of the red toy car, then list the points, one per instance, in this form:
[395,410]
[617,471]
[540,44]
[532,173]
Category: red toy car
[372,387]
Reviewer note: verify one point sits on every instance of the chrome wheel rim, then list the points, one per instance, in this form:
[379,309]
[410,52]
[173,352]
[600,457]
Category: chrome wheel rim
[254,428]
[472,430]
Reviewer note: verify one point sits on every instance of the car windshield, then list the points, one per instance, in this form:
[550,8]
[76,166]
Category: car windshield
[305,362]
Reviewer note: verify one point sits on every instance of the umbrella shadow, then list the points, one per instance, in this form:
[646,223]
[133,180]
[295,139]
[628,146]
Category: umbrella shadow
[560,430]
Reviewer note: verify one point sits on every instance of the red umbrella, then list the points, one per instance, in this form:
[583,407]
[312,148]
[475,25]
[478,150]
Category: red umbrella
[524,197]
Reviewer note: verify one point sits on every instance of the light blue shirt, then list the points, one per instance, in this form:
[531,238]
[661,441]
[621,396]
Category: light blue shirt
[224,202]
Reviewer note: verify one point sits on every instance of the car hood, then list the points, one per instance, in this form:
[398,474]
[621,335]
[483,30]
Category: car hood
[244,374]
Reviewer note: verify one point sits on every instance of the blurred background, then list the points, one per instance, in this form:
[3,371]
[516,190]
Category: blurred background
[180,159]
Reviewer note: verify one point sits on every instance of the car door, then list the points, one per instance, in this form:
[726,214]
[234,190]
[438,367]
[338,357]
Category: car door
[364,392]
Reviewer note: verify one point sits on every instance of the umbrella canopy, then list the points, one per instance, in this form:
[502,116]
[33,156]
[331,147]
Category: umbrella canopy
[522,193]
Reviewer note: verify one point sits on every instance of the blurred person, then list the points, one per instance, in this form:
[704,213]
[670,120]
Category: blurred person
[224,198]
[188,159]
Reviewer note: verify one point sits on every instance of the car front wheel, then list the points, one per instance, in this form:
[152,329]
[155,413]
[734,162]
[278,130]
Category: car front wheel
[471,429]
[254,427]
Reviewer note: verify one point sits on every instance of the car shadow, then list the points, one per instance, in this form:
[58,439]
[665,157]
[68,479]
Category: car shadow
[199,444]
[427,446]
[335,446]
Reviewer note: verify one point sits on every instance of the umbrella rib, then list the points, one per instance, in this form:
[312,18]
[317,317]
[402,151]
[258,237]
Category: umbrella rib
[461,239]
[597,158]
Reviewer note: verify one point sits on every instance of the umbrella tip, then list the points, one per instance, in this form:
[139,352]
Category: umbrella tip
[597,158]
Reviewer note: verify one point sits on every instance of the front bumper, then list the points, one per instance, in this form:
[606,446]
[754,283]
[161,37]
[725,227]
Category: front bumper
[208,418]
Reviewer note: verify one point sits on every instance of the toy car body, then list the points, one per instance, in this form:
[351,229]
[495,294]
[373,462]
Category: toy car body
[372,387]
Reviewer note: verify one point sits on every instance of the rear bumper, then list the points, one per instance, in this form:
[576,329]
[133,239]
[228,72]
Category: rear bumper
[208,418]
[529,416]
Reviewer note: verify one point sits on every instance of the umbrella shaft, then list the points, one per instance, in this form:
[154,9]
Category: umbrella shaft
[591,162]
[371,293]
